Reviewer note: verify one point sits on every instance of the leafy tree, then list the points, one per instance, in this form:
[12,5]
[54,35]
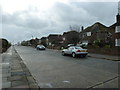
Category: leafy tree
[24,43]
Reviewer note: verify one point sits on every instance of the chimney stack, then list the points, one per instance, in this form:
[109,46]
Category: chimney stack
[82,28]
[118,16]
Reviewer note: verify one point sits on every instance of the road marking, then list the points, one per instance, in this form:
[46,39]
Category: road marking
[45,85]
[66,81]
[6,63]
[10,53]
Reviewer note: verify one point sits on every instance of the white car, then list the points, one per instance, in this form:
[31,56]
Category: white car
[74,51]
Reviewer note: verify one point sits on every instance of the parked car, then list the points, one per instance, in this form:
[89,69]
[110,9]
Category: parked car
[75,51]
[83,45]
[40,47]
[70,45]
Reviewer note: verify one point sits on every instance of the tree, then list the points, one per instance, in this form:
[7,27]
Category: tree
[72,37]
[34,42]
[24,43]
[74,28]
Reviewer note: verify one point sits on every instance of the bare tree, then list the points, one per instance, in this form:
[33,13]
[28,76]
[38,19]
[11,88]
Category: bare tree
[75,28]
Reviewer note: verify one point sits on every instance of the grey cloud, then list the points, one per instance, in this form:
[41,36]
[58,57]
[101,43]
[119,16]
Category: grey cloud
[23,19]
[21,25]
[70,14]
[17,34]
[104,11]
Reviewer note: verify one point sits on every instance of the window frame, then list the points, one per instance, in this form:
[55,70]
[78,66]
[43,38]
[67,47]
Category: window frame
[116,42]
[116,29]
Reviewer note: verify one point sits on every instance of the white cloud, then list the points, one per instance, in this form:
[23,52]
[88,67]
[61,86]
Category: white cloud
[23,23]
[94,0]
[70,14]
[12,6]
[24,19]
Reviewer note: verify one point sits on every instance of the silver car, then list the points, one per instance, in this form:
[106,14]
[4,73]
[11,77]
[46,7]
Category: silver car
[75,51]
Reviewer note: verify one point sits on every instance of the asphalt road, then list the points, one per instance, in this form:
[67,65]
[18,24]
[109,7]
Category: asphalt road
[52,70]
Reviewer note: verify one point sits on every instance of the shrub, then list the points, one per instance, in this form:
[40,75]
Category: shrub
[4,45]
[107,46]
[99,43]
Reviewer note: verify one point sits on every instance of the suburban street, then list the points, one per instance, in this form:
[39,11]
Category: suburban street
[52,70]
[41,40]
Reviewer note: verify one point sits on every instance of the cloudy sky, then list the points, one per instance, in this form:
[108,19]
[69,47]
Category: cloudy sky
[22,19]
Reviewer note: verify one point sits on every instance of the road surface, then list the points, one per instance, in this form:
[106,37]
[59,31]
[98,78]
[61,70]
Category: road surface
[52,70]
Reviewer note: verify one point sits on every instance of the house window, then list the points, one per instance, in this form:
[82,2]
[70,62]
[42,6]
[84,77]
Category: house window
[117,42]
[117,29]
[88,33]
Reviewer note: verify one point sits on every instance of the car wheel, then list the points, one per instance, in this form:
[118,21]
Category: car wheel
[63,53]
[73,55]
[84,55]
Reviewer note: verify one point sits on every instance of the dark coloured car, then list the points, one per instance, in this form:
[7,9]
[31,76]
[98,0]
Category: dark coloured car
[40,47]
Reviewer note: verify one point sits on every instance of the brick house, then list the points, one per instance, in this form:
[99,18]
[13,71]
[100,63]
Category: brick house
[117,36]
[71,37]
[116,29]
[54,40]
[96,31]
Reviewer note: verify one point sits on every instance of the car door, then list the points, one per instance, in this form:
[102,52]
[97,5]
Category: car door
[70,49]
[66,50]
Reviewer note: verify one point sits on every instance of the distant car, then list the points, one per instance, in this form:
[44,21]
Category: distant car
[75,51]
[40,47]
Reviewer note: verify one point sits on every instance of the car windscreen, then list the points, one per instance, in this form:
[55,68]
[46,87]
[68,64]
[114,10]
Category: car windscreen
[78,48]
[40,46]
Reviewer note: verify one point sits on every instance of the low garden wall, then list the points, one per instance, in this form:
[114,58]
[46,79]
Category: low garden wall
[107,51]
[95,49]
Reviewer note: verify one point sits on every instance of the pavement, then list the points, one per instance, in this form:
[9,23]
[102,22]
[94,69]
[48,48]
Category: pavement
[107,57]
[15,74]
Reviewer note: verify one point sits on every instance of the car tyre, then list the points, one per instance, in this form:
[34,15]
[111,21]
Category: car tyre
[73,55]
[84,55]
[63,53]
[37,49]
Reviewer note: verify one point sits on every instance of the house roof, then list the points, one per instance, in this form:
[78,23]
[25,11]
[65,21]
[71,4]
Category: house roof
[95,27]
[43,38]
[113,25]
[54,35]
[69,32]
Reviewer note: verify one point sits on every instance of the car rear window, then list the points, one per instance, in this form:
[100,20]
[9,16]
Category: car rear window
[78,48]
